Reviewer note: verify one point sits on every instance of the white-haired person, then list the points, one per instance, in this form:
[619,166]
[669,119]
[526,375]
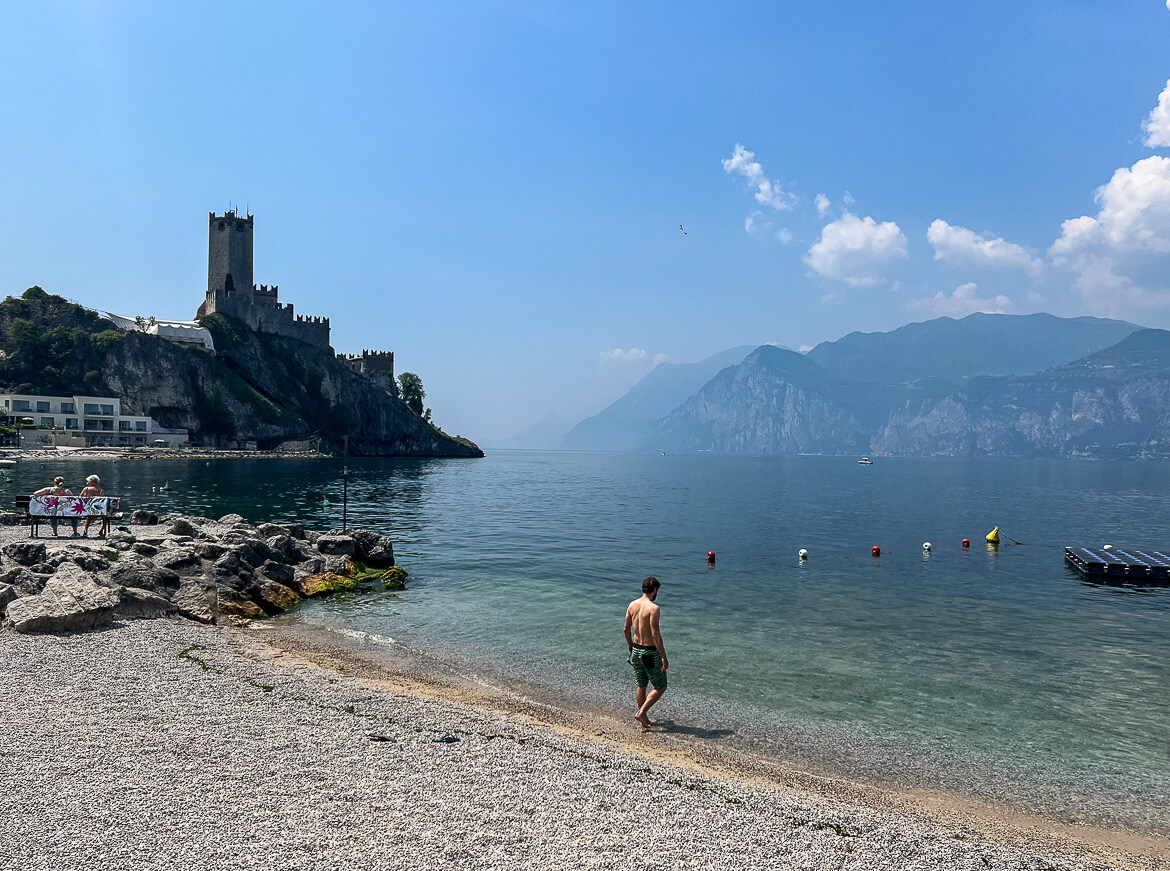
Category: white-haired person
[93,488]
[58,489]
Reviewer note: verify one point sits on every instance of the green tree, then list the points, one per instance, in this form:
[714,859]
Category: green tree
[411,388]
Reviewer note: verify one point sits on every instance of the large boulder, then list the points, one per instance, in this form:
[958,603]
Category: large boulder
[138,604]
[25,553]
[88,561]
[283,548]
[281,572]
[142,517]
[196,600]
[183,526]
[276,597]
[210,550]
[72,600]
[142,574]
[232,520]
[179,559]
[8,593]
[372,549]
[11,518]
[336,545]
[25,583]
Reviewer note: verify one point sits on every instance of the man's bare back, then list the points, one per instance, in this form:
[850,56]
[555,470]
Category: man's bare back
[647,652]
[642,614]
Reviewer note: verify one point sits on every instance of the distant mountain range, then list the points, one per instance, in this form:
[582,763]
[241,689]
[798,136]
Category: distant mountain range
[985,385]
[980,344]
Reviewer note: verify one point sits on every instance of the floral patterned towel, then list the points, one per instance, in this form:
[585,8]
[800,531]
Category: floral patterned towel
[72,506]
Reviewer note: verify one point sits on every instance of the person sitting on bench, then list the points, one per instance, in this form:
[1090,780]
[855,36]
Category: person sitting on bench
[58,489]
[92,488]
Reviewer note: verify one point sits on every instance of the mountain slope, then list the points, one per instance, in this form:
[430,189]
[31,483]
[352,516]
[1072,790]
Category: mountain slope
[775,401]
[979,344]
[626,424]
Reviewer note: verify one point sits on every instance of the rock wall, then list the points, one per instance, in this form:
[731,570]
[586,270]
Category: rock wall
[271,390]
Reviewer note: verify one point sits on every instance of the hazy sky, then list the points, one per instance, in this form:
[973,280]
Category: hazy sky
[494,191]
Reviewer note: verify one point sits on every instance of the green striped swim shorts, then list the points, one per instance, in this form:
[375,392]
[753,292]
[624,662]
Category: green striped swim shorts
[647,663]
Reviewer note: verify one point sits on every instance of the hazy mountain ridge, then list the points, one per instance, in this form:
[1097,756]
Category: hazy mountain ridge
[979,344]
[1112,402]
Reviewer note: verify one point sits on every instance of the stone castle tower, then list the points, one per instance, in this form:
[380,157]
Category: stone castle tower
[231,291]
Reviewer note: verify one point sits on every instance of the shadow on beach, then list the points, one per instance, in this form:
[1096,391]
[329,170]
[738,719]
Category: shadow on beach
[673,728]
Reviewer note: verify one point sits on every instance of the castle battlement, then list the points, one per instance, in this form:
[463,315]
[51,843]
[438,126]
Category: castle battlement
[378,365]
[231,290]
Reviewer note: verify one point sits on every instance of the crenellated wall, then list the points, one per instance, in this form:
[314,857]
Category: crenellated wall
[378,365]
[231,291]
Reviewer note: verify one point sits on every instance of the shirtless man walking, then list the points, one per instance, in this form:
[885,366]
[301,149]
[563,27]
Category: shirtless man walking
[647,653]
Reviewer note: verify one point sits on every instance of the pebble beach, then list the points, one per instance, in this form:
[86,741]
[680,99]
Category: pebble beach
[169,744]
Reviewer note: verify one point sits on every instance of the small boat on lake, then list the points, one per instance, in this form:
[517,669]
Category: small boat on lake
[865,461]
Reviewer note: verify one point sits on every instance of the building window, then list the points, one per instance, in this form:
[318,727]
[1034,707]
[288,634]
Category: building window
[124,426]
[42,407]
[91,408]
[68,408]
[221,225]
[140,425]
[47,421]
[107,409]
[71,423]
[91,424]
[20,405]
[107,425]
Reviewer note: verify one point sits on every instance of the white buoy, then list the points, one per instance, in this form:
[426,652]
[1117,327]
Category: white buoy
[926,546]
[1107,547]
[802,553]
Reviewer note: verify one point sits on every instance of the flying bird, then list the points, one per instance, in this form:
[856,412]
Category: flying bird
[684,232]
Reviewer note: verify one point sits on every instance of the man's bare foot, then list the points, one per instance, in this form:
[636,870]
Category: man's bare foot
[643,721]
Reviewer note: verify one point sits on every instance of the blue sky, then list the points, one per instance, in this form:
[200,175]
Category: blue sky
[493,191]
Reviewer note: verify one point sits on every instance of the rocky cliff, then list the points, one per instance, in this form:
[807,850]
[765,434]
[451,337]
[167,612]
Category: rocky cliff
[1111,404]
[257,387]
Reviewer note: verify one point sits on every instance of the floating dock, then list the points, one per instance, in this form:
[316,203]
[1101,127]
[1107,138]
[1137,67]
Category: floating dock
[1120,565]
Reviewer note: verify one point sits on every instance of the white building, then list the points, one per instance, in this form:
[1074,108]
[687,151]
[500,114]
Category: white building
[97,419]
[183,332]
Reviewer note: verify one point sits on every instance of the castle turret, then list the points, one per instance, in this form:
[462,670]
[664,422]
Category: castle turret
[229,264]
[231,291]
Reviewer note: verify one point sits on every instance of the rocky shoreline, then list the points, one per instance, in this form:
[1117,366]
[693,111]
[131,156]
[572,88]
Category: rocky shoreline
[178,565]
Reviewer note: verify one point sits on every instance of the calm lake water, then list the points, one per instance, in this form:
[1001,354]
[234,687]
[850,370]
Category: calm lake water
[995,673]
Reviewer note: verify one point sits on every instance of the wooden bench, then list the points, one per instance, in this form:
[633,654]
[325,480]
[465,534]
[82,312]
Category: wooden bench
[70,509]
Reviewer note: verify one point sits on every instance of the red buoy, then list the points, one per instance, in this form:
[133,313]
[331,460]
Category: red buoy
[966,542]
[710,556]
[877,551]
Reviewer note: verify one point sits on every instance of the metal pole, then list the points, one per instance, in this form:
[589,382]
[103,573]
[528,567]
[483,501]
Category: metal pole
[344,498]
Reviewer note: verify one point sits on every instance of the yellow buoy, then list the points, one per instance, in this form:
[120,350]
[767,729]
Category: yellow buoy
[993,536]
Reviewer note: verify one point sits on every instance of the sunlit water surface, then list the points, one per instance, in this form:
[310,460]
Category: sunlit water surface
[991,672]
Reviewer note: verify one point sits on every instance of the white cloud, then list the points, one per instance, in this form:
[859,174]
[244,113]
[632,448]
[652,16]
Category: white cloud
[768,192]
[1157,123]
[804,349]
[623,357]
[1127,239]
[750,221]
[848,200]
[964,301]
[824,204]
[854,250]
[784,235]
[964,247]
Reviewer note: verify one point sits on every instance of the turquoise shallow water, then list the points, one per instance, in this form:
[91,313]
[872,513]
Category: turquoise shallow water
[997,673]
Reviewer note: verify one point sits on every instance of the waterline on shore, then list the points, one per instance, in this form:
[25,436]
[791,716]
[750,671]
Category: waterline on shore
[421,674]
[734,733]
